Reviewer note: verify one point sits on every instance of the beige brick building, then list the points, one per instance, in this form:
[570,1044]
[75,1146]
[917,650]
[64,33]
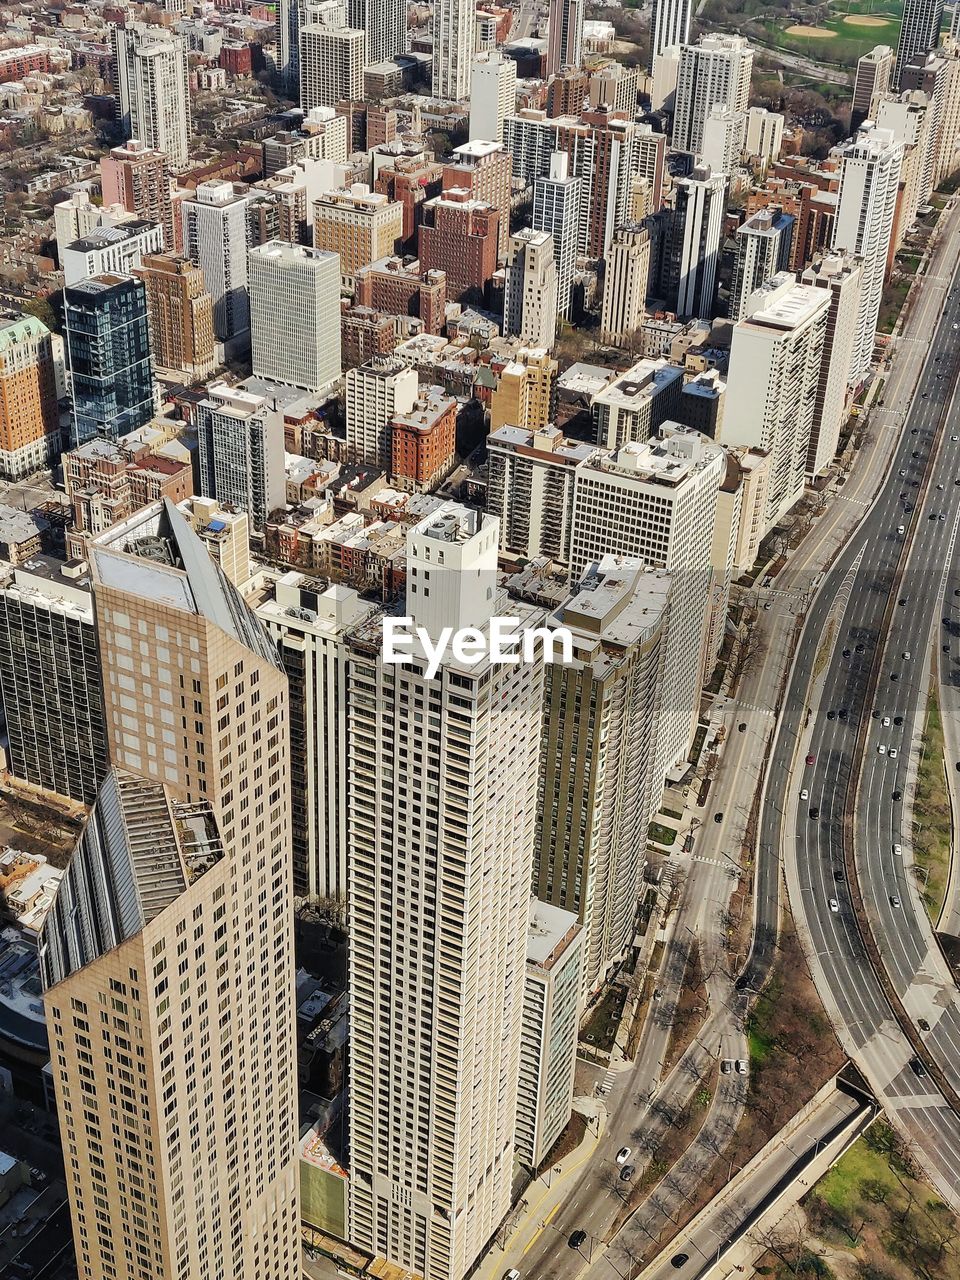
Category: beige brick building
[359,224]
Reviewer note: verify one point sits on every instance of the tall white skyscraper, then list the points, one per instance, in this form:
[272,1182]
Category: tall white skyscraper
[919,32]
[332,57]
[670,26]
[657,502]
[775,363]
[763,250]
[152,86]
[493,94]
[866,206]
[625,283]
[842,277]
[715,72]
[385,25]
[295,314]
[696,232]
[722,142]
[215,237]
[565,35]
[441,860]
[375,393]
[454,43]
[556,209]
[240,451]
[530,290]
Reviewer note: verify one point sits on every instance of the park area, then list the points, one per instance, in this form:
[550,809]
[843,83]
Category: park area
[837,33]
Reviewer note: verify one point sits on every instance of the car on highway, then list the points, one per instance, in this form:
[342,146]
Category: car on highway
[905,655]
[917,1067]
[923,1024]
[576,1239]
[741,726]
[718,816]
[834,905]
[898,851]
[842,713]
[894,900]
[814,813]
[881,749]
[726,1066]
[894,675]
[955,437]
[512,1274]
[901,529]
[624,1154]
[941,516]
[846,653]
[804,794]
[893,753]
[939,486]
[627,1172]
[945,648]
[811,759]
[831,715]
[860,648]
[679,1260]
[898,719]
[838,876]
[742,1067]
[897,795]
[885,722]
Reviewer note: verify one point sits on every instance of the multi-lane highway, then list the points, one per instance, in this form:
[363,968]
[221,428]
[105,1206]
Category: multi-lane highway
[827,763]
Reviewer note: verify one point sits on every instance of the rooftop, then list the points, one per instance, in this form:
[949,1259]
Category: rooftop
[549,933]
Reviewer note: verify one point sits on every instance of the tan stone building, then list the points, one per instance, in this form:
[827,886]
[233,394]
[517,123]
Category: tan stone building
[180,314]
[524,394]
[167,957]
[29,424]
[359,224]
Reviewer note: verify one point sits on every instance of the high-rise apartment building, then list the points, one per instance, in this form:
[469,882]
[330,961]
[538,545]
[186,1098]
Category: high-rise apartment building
[109,366]
[240,451]
[551,1012]
[180,313]
[763,250]
[625,283]
[438,946]
[524,394]
[763,136]
[556,210]
[911,119]
[600,775]
[670,26]
[565,35]
[152,87]
[295,314]
[482,168]
[167,957]
[919,33]
[332,59]
[138,178]
[384,23]
[215,238]
[399,287]
[322,136]
[635,404]
[375,393]
[866,206]
[460,236]
[656,502]
[454,43]
[493,94]
[50,686]
[714,72]
[115,250]
[872,83]
[530,288]
[722,143]
[842,277]
[359,225]
[530,475]
[776,359]
[29,416]
[309,628]
[695,232]
[290,14]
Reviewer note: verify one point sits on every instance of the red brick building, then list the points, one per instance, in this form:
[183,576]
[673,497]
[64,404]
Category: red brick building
[365,333]
[412,182]
[459,236]
[398,287]
[423,442]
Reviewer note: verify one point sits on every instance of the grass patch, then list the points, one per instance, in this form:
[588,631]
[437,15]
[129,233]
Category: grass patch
[600,1028]
[673,813]
[894,295]
[931,844]
[661,834]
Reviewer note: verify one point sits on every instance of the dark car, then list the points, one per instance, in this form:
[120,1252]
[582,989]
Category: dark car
[923,1024]
[627,1172]
[718,816]
[842,713]
[742,726]
[814,813]
[917,1067]
[846,653]
[679,1260]
[838,876]
[897,795]
[831,715]
[811,758]
[898,719]
[894,675]
[577,1239]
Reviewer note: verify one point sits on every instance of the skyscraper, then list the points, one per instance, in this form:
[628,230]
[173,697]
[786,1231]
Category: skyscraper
[565,35]
[167,958]
[842,277]
[332,58]
[295,314]
[29,416]
[440,867]
[776,359]
[692,258]
[384,23]
[240,448]
[866,206]
[152,87]
[919,32]
[763,249]
[715,72]
[670,26]
[493,94]
[454,42]
[625,283]
[874,73]
[109,366]
[375,393]
[530,288]
[657,502]
[215,238]
[290,14]
[138,178]
[180,312]
[530,489]
[556,209]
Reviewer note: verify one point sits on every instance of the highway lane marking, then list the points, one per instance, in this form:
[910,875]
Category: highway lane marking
[540,1230]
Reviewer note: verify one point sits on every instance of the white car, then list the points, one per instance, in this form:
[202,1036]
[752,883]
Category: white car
[885,722]
[881,750]
[893,753]
[834,905]
[955,437]
[898,851]
[804,794]
[623,1155]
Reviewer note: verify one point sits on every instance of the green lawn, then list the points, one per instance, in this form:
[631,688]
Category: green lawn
[661,834]
[931,844]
